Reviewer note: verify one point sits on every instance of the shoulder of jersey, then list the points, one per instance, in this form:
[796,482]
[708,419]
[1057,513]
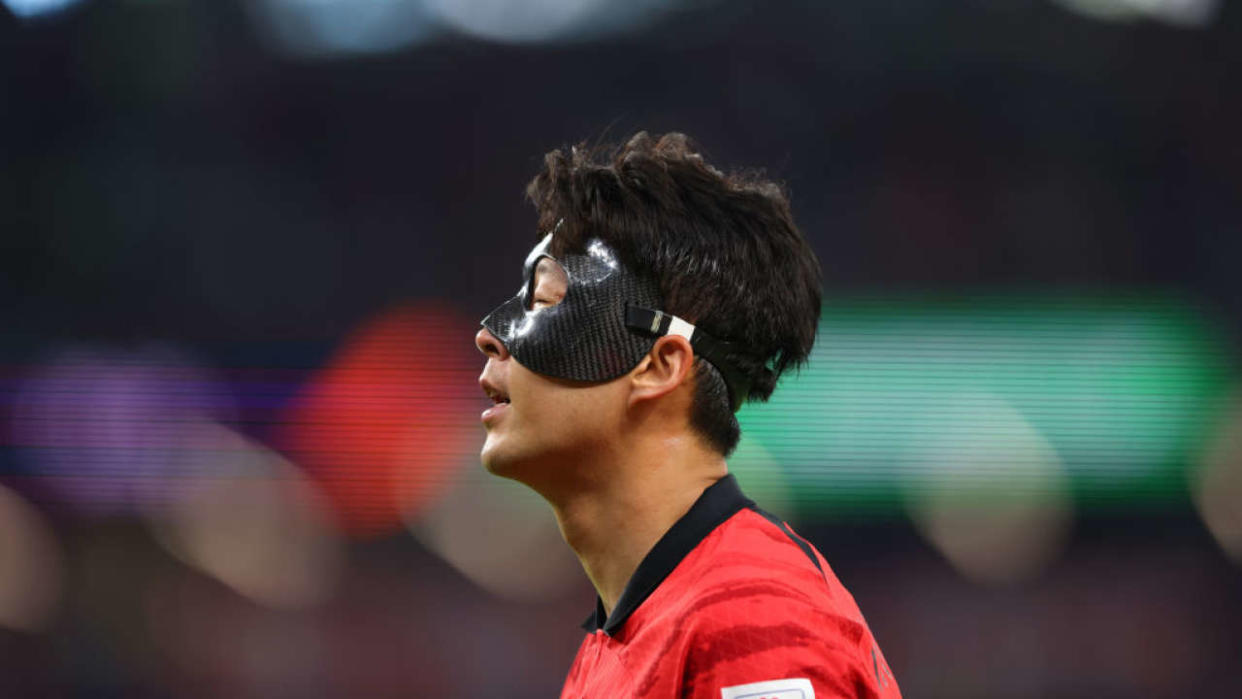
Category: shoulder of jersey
[758,589]
[751,546]
[756,564]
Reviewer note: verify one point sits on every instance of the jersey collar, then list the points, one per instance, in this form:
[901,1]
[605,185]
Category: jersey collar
[718,503]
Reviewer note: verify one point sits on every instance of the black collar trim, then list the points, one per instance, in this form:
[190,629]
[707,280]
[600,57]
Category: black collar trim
[718,503]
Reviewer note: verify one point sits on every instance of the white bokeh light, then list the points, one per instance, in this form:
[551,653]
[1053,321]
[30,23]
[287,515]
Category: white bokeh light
[502,536]
[524,21]
[254,522]
[31,566]
[1184,13]
[1217,485]
[993,497]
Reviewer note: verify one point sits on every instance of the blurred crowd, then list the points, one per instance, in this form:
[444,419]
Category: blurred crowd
[244,246]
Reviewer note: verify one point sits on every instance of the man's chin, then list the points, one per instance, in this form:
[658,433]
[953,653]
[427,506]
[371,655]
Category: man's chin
[495,461]
[506,463]
[492,466]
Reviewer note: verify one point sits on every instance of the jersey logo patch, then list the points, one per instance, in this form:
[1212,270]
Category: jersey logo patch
[791,688]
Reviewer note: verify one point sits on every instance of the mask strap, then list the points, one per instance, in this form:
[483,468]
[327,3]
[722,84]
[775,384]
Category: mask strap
[716,352]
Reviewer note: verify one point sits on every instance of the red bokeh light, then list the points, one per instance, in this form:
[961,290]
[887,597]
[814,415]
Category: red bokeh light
[385,425]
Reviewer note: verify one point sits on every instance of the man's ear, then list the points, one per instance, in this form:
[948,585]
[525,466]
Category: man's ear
[664,368]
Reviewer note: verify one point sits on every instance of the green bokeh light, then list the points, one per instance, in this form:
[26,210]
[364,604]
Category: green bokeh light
[1121,391]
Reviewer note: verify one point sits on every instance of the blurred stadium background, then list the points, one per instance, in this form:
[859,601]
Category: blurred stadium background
[246,244]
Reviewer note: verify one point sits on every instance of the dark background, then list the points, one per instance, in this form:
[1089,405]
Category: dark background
[171,174]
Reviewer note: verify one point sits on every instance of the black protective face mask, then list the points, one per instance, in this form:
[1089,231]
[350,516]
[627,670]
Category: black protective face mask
[602,328]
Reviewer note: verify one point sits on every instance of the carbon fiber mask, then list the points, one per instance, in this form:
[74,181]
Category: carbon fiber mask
[604,325]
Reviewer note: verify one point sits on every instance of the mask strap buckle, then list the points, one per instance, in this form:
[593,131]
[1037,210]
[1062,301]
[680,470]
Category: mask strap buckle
[716,352]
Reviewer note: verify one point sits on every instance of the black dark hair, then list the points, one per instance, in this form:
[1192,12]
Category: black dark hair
[723,248]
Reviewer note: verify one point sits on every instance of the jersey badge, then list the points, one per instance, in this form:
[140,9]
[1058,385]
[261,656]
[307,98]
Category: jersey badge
[791,688]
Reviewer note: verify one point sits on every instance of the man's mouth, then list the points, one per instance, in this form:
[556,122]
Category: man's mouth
[500,403]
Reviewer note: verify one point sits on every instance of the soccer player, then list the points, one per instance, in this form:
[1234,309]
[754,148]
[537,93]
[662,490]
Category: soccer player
[661,296]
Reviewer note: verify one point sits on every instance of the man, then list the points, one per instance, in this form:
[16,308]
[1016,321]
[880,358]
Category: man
[662,295]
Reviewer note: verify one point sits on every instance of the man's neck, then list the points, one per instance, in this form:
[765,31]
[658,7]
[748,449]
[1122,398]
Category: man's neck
[612,527]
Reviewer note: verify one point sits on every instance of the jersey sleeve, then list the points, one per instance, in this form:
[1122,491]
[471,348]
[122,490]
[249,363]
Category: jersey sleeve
[766,642]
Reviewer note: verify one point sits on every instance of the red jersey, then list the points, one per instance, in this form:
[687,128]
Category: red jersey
[730,604]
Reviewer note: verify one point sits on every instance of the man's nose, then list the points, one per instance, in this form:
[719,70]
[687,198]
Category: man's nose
[489,345]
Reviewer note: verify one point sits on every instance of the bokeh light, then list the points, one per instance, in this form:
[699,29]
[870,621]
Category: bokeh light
[30,9]
[31,566]
[1124,389]
[1027,218]
[1185,13]
[762,479]
[500,535]
[990,493]
[254,522]
[326,28]
[542,20]
[385,424]
[1217,485]
[106,430]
